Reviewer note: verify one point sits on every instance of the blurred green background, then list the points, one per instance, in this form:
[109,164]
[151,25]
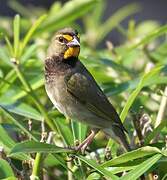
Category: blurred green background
[123,44]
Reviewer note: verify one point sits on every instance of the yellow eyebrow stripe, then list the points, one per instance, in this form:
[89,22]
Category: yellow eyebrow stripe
[68,37]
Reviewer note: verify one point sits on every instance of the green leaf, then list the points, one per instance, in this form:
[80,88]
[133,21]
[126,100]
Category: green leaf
[9,45]
[96,167]
[54,160]
[33,146]
[20,109]
[56,6]
[20,8]
[64,131]
[164,177]
[144,80]
[129,156]
[29,52]
[31,31]
[142,168]
[35,83]
[68,13]
[16,29]
[5,169]
[113,89]
[151,36]
[10,178]
[17,123]
[97,14]
[93,176]
[5,140]
[4,56]
[7,143]
[7,81]
[115,19]
[116,170]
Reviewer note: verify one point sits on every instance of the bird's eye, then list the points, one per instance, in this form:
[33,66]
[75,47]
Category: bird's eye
[61,39]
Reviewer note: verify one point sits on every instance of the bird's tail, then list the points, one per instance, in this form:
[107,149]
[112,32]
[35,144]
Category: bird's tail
[118,134]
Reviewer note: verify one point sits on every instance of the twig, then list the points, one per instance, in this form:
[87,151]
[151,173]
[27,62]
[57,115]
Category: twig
[162,108]
[50,137]
[136,122]
[38,158]
[69,165]
[29,126]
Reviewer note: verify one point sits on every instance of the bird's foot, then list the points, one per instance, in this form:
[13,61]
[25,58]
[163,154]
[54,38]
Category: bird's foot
[82,147]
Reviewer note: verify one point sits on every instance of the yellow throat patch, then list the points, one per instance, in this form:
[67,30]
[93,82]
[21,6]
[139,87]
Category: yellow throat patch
[71,52]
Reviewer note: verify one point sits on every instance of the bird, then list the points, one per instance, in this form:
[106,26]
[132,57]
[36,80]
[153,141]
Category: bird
[75,93]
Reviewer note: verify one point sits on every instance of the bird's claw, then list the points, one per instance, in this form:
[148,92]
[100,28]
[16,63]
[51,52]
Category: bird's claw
[78,148]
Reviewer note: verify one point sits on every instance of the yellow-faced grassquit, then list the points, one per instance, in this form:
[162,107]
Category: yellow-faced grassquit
[74,91]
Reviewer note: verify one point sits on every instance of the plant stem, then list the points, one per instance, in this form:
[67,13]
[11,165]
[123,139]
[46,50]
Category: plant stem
[162,108]
[38,158]
[69,165]
[136,121]
[36,167]
[35,99]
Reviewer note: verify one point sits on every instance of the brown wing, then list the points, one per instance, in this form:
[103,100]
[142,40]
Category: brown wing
[83,87]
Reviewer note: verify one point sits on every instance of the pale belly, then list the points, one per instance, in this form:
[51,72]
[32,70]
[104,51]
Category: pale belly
[72,108]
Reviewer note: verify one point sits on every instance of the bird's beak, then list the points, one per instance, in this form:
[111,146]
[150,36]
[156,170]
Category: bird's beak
[73,43]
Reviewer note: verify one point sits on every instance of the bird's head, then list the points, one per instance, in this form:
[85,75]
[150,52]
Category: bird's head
[66,43]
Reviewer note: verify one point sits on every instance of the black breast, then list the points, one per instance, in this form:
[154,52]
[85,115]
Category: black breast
[56,65]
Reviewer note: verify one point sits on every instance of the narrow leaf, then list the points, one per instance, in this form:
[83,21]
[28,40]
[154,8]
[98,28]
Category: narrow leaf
[151,36]
[68,13]
[7,80]
[5,140]
[4,56]
[93,176]
[144,80]
[8,143]
[64,131]
[95,166]
[33,146]
[5,169]
[129,156]
[115,19]
[31,31]
[20,109]
[30,50]
[142,168]
[17,123]
[35,83]
[9,45]
[16,27]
